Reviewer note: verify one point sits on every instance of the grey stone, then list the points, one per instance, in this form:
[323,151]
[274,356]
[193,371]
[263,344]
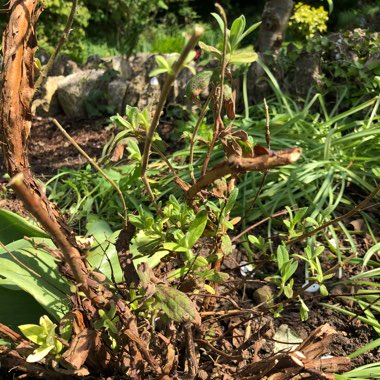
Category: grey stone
[46,103]
[75,89]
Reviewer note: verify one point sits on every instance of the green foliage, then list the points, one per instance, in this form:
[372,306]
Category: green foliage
[165,64]
[44,336]
[287,267]
[121,23]
[308,20]
[235,37]
[108,321]
[13,227]
[365,372]
[52,23]
[38,274]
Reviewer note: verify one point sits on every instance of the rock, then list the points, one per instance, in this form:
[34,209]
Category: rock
[75,89]
[117,91]
[63,65]
[47,102]
[264,294]
[122,66]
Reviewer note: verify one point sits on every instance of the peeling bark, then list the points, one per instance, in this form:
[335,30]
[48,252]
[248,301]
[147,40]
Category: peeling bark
[17,88]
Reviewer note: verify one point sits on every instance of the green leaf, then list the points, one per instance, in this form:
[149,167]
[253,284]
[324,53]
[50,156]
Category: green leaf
[18,307]
[250,30]
[243,57]
[196,228]
[103,258]
[210,49]
[200,262]
[213,276]
[288,270]
[98,228]
[175,247]
[304,310]
[156,72]
[226,245]
[162,5]
[39,353]
[373,250]
[231,201]
[236,32]
[282,256]
[38,275]
[162,63]
[34,333]
[198,83]
[288,291]
[331,5]
[176,305]
[13,227]
[219,21]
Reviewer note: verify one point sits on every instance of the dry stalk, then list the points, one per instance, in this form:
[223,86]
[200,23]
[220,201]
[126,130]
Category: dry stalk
[161,103]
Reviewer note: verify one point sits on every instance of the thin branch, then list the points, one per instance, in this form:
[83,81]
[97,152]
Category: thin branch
[218,120]
[237,237]
[161,103]
[62,40]
[96,166]
[237,165]
[195,131]
[360,207]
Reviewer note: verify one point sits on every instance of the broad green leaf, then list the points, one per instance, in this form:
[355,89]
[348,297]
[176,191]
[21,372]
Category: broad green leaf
[213,276]
[196,228]
[289,269]
[176,305]
[13,227]
[39,353]
[18,307]
[210,49]
[34,333]
[153,260]
[200,262]
[103,258]
[98,228]
[219,21]
[162,62]
[282,256]
[156,72]
[237,29]
[288,291]
[37,275]
[226,245]
[231,201]
[243,57]
[175,247]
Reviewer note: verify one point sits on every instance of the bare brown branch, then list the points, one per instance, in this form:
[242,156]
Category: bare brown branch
[238,165]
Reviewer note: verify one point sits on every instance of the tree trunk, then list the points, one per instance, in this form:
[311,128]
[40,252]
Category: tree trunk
[17,88]
[275,20]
